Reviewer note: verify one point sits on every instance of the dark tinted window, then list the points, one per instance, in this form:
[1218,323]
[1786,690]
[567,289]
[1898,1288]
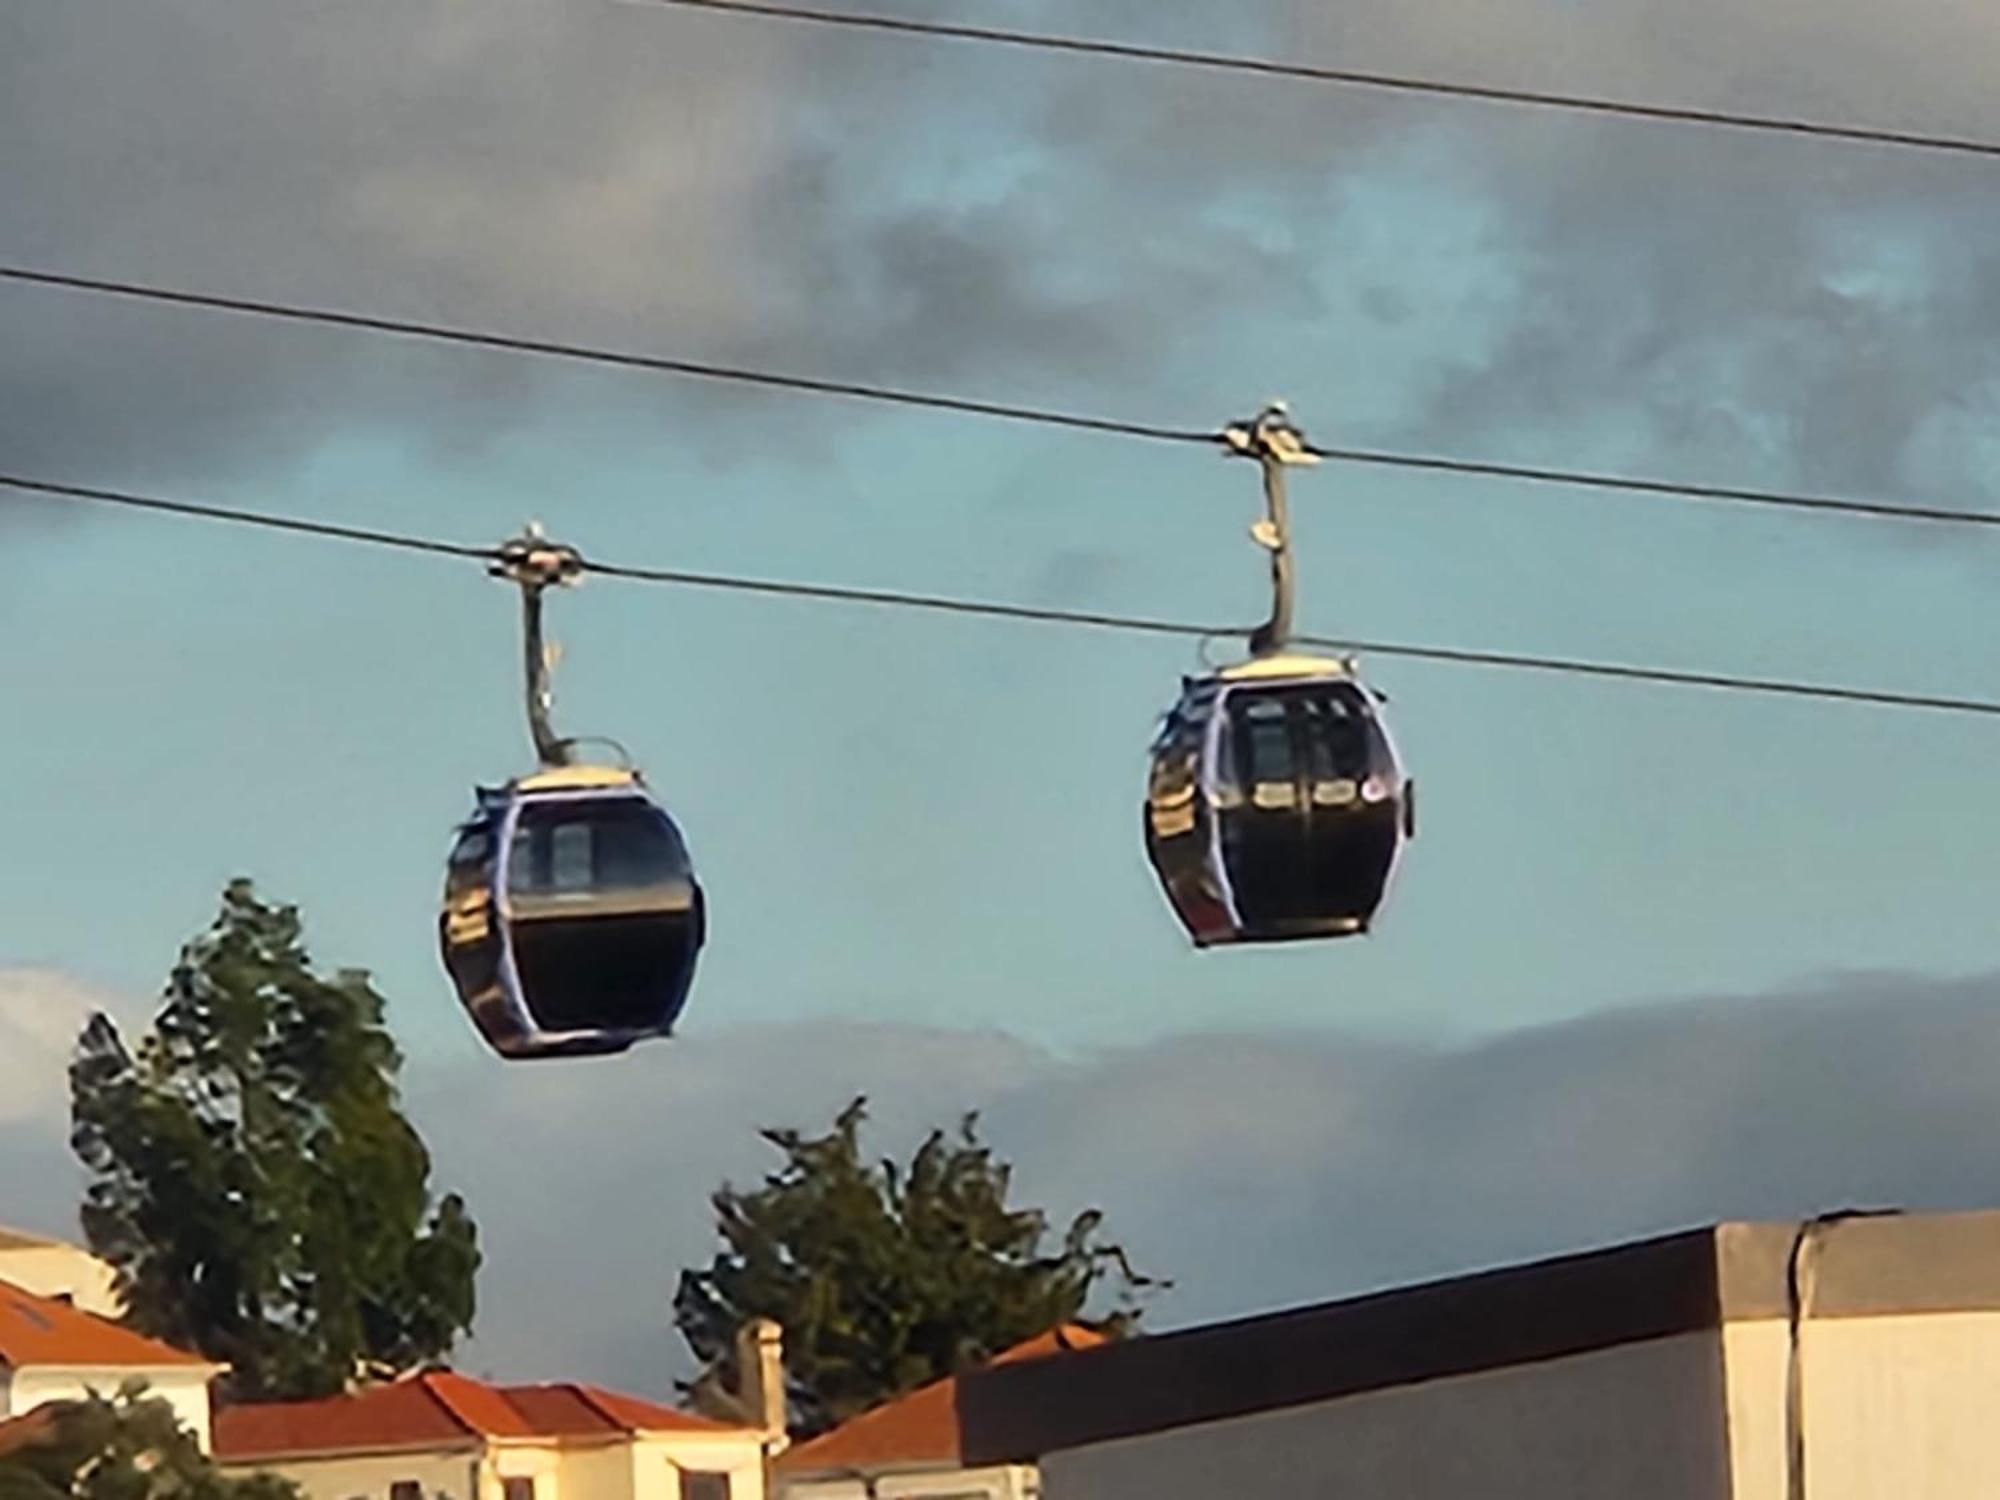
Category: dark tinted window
[1336,737]
[606,844]
[697,1485]
[469,856]
[1263,740]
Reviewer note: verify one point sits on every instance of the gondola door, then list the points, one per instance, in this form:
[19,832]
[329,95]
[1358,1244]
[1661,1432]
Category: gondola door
[1310,834]
[1265,828]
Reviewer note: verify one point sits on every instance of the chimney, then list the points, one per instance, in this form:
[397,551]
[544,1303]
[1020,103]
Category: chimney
[760,1376]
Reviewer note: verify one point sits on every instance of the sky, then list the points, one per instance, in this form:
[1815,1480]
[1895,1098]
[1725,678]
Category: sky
[1714,956]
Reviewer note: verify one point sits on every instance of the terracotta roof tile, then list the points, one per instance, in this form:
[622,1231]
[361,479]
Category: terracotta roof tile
[441,1410]
[42,1331]
[636,1415]
[479,1408]
[919,1430]
[406,1414]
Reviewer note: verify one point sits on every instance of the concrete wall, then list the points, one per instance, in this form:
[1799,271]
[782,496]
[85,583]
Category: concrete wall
[1905,1405]
[186,1390]
[1635,1422]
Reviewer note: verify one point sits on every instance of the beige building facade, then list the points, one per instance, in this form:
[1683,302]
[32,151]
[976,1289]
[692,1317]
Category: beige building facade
[1856,1359]
[62,1272]
[441,1436]
[51,1351]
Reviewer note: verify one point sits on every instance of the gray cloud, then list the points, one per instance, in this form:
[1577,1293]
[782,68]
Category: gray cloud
[1129,237]
[1255,1171]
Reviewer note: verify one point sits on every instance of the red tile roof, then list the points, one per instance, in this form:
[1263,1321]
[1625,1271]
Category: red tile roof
[441,1410]
[919,1430]
[42,1331]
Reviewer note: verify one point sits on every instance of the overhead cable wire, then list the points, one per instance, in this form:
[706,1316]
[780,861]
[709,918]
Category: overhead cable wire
[301,525]
[1660,488]
[660,364]
[947,604]
[966,406]
[1570,666]
[899,599]
[1348,77]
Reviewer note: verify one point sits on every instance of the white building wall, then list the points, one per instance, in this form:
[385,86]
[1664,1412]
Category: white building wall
[183,1388]
[603,1473]
[1905,1406]
[659,1460]
[56,1270]
[1009,1482]
[1639,1422]
[369,1476]
[647,1469]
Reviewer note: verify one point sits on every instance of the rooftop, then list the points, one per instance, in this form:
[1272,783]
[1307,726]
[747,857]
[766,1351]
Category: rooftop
[443,1410]
[1550,1309]
[26,1239]
[42,1331]
[919,1430]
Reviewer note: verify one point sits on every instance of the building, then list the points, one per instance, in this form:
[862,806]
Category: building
[50,1268]
[51,1351]
[1853,1359]
[912,1447]
[440,1436]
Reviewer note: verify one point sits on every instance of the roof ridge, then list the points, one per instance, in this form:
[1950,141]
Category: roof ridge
[430,1380]
[589,1395]
[941,1427]
[52,1319]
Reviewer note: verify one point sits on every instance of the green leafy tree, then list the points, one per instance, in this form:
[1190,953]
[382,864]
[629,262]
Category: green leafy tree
[130,1447]
[253,1178]
[887,1278]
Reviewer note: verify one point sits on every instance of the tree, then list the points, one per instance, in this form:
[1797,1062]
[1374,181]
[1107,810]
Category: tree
[253,1178]
[885,1279]
[127,1448]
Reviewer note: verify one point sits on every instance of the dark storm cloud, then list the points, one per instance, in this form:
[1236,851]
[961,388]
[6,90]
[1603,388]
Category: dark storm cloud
[1058,229]
[596,173]
[1738,305]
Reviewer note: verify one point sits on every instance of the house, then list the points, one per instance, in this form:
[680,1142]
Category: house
[50,1268]
[912,1446]
[1848,1358]
[52,1351]
[442,1436]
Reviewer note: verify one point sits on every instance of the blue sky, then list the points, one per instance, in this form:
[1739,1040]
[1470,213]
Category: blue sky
[915,823]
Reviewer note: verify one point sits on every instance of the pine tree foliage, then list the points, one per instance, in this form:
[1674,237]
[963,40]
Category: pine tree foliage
[886,1278]
[253,1178]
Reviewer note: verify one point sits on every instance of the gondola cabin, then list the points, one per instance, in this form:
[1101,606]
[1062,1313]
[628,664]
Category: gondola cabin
[572,918]
[1276,808]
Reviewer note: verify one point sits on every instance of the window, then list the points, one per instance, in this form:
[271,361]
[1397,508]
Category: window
[406,1489]
[696,1485]
[567,848]
[517,1489]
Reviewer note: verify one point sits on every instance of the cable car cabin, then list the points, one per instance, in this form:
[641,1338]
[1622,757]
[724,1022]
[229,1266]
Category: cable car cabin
[572,917]
[1276,809]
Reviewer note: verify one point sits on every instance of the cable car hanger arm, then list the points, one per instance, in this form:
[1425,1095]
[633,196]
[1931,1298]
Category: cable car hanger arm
[535,564]
[1272,440]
